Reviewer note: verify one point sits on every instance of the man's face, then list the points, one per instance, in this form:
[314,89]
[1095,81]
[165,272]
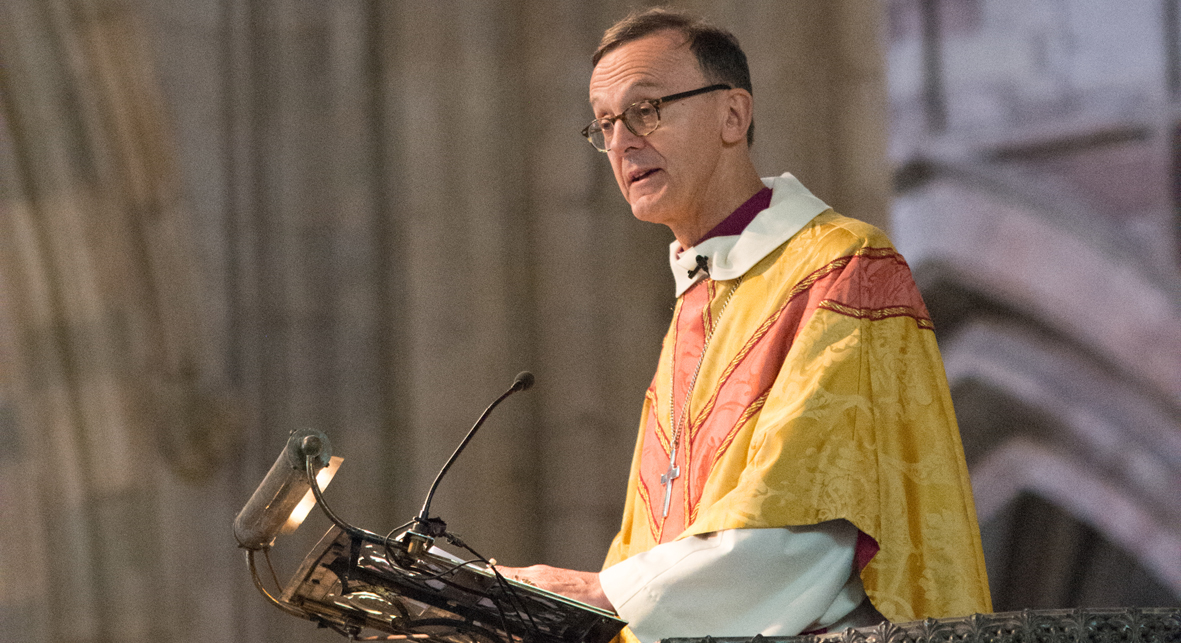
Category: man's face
[664,176]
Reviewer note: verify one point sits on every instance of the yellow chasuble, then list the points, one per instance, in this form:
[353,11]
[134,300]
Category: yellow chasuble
[821,396]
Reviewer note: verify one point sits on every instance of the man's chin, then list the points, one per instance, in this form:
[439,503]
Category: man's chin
[646,210]
[646,216]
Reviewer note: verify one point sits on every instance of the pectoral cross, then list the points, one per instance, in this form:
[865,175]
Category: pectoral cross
[667,477]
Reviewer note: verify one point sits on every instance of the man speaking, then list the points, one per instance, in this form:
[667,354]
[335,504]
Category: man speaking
[798,467]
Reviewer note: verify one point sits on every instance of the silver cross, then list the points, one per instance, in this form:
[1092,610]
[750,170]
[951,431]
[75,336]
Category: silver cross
[667,478]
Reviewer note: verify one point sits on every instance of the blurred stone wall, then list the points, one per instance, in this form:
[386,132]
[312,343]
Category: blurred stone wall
[226,219]
[1037,153]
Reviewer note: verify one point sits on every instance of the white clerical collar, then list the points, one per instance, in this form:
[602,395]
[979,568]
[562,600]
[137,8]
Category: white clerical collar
[792,207]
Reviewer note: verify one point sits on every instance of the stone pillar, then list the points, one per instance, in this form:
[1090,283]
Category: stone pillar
[818,72]
[391,214]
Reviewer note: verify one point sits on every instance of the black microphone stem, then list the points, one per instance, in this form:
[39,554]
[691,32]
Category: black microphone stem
[523,381]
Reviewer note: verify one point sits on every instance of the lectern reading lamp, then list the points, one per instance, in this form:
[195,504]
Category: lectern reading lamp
[399,585]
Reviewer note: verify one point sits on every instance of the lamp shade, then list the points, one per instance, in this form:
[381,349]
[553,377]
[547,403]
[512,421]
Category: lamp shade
[284,488]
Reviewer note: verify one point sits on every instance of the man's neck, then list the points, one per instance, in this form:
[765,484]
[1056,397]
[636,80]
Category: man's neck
[740,217]
[737,191]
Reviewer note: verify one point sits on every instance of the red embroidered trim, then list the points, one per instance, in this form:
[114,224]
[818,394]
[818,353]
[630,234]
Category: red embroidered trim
[873,284]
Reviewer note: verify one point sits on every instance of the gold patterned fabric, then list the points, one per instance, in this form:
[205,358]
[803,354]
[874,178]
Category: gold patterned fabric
[822,396]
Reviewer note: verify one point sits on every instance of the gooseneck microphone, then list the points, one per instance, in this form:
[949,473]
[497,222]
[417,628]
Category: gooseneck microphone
[424,530]
[523,381]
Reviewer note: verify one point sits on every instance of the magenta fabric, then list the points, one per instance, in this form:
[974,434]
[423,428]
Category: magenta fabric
[740,218]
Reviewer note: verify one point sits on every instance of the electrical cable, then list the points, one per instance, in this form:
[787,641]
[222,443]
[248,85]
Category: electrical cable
[266,554]
[388,540]
[451,570]
[509,590]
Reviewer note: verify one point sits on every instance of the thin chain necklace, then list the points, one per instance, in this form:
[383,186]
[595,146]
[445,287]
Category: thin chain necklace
[674,472]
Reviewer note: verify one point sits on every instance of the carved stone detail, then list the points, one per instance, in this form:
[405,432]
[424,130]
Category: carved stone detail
[1132,625]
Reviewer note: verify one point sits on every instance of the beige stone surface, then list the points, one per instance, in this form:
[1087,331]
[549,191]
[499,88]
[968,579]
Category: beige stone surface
[223,220]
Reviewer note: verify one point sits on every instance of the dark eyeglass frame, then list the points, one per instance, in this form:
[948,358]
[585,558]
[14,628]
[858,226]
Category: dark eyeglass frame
[655,103]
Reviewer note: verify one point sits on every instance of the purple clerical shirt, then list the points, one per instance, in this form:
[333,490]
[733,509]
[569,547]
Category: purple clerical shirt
[741,217]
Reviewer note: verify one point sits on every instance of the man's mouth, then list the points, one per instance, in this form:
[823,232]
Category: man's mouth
[640,175]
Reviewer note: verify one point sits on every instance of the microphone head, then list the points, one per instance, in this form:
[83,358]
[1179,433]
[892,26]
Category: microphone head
[523,382]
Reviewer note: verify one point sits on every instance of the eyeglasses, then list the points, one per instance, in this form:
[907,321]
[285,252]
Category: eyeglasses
[641,118]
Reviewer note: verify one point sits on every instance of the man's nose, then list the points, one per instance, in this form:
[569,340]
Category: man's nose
[622,138]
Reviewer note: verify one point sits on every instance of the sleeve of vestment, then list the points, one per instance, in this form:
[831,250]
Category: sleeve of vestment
[776,582]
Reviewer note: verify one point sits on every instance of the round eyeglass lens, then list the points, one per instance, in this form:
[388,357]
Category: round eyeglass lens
[642,118]
[598,132]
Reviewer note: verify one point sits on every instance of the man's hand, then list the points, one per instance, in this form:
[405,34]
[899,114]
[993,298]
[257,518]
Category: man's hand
[581,586]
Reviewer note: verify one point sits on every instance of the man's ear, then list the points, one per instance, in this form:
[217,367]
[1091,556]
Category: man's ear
[739,112]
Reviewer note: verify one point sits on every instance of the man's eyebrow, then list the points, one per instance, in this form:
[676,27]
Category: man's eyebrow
[642,84]
[645,84]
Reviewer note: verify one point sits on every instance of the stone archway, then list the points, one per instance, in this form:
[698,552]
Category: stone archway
[1063,355]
